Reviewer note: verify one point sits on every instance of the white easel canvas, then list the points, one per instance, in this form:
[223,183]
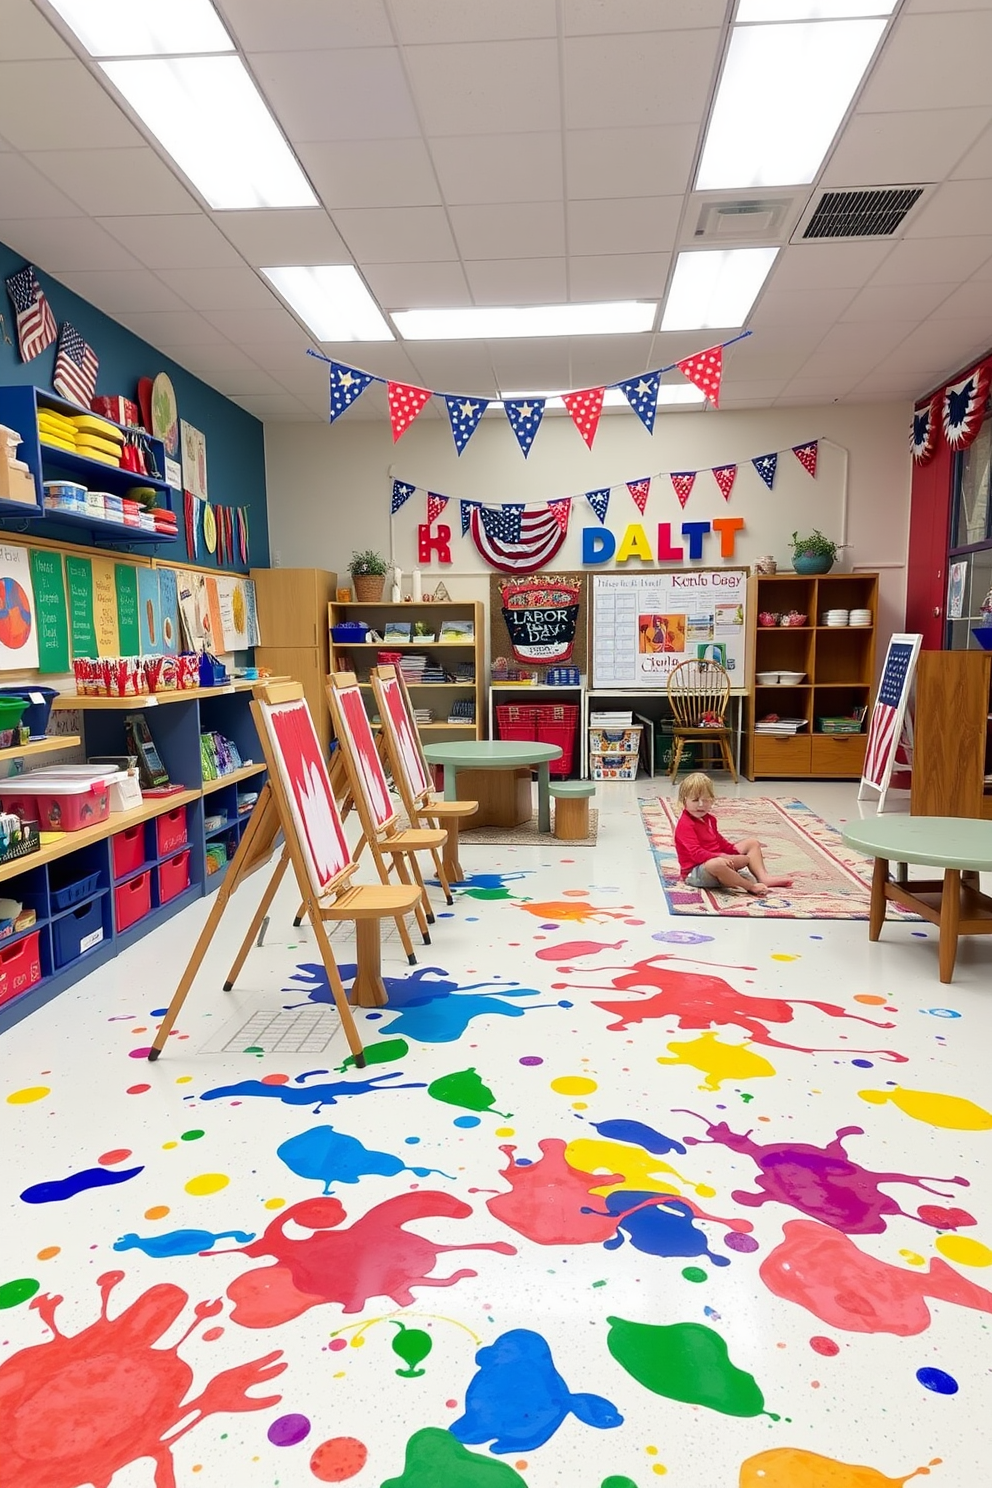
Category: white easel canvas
[888,716]
[303,775]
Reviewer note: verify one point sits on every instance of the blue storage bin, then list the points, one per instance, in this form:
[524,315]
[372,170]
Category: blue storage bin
[35,715]
[78,932]
[74,893]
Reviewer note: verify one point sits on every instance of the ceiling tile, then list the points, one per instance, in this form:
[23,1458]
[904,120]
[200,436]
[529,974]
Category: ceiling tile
[531,366]
[971,299]
[425,21]
[977,162]
[272,405]
[897,302]
[614,82]
[618,276]
[168,328]
[827,265]
[208,361]
[956,210]
[417,286]
[603,17]
[485,87]
[25,192]
[486,168]
[454,367]
[853,350]
[630,162]
[247,380]
[219,289]
[297,25]
[60,106]
[186,241]
[947,344]
[514,230]
[28,36]
[389,359]
[56,244]
[597,360]
[371,173]
[639,224]
[114,290]
[818,389]
[271,239]
[784,307]
[921,145]
[354,93]
[115,183]
[242,326]
[761,391]
[906,71]
[930,261]
[517,281]
[281,357]
[373,234]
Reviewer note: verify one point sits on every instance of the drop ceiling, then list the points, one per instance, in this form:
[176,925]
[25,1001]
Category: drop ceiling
[528,151]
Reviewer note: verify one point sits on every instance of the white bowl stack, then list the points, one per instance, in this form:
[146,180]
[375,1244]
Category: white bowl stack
[860,618]
[836,617]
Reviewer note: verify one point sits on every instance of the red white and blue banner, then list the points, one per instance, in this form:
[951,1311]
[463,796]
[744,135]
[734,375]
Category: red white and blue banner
[518,539]
[962,407]
[923,439]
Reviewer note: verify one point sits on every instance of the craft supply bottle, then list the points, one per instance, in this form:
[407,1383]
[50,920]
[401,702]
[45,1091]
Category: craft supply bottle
[417,583]
[396,590]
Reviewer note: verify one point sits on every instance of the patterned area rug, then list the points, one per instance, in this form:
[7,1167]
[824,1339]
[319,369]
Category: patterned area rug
[830,881]
[527,835]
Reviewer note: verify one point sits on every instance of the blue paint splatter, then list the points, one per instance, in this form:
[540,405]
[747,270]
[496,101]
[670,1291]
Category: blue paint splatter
[635,1131]
[466,1121]
[863,1063]
[941,1012]
[335,1157]
[180,1242]
[520,1417]
[58,1189]
[316,1096]
[663,1227]
[937,1381]
[681,937]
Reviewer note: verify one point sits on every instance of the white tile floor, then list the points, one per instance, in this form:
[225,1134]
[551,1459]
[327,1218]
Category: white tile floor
[778,1346]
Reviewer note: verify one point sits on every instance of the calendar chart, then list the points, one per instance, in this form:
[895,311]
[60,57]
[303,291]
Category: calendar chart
[645,624]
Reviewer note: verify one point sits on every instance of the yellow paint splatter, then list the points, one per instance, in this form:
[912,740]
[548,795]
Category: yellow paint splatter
[49,1252]
[950,1111]
[574,1085]
[637,1168]
[168,1146]
[184,1079]
[505,1131]
[157,1211]
[719,1061]
[660,1469]
[29,1094]
[274,1203]
[963,1248]
[792,1467]
[781,956]
[580,1105]
[912,1258]
[207,1183]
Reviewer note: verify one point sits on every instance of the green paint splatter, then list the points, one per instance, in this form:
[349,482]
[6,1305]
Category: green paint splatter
[192,1136]
[412,1345]
[687,1362]
[255,1049]
[619,1483]
[385,1053]
[465,1088]
[694,1273]
[435,1459]
[499,893]
[599,1283]
[13,1293]
[746,1096]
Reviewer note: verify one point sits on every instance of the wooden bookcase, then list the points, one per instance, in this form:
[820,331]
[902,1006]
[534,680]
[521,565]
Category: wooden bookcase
[292,621]
[952,749]
[438,696]
[838,667]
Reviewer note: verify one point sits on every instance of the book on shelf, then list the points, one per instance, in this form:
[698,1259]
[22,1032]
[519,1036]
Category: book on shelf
[398,630]
[781,726]
[606,718]
[462,711]
[422,632]
[458,630]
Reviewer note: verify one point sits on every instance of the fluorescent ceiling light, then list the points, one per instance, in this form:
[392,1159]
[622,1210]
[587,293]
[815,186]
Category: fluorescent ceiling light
[811,10]
[144,28]
[715,287]
[210,117]
[477,323]
[332,300]
[781,99]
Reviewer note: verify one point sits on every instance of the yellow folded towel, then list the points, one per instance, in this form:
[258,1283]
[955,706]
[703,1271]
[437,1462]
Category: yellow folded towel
[88,423]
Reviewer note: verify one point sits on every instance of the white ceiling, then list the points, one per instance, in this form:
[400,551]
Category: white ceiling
[519,152]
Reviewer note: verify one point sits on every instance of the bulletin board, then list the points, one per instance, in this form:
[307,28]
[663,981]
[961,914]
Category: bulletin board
[540,620]
[644,624]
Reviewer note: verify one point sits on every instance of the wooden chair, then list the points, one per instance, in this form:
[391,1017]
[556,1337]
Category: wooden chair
[411,773]
[369,790]
[699,690]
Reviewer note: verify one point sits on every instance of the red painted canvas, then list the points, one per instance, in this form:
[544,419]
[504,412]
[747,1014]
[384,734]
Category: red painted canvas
[410,761]
[360,739]
[304,778]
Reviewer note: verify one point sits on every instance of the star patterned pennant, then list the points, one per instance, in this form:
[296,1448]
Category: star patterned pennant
[524,415]
[405,402]
[806,455]
[639,490]
[600,502]
[561,511]
[464,415]
[705,371]
[435,506]
[347,385]
[683,482]
[923,440]
[725,475]
[765,465]
[585,408]
[467,508]
[642,395]
[402,491]
[502,522]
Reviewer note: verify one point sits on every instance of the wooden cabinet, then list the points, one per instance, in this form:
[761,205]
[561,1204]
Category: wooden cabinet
[828,670]
[952,749]
[292,621]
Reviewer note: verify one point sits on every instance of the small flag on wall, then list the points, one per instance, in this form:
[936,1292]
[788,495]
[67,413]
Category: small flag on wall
[963,408]
[435,506]
[639,489]
[642,395]
[347,384]
[923,439]
[683,482]
[402,491]
[464,415]
[467,508]
[76,367]
[524,416]
[585,408]
[405,402]
[600,502]
[806,455]
[725,475]
[35,322]
[561,510]
[705,370]
[766,465]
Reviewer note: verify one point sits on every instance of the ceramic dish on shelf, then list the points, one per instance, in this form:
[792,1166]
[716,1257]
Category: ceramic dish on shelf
[766,679]
[791,679]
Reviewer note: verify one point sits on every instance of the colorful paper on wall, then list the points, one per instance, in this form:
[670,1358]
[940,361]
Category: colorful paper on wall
[79,578]
[235,609]
[129,634]
[18,632]
[51,616]
[194,452]
[168,598]
[254,634]
[108,641]
[213,624]
[192,608]
[149,613]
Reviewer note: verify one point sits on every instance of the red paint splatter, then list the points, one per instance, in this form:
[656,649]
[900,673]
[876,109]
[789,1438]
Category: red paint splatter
[819,1344]
[374,1257]
[116,1155]
[945,1219]
[549,1201]
[137,1089]
[338,1459]
[566,950]
[77,1409]
[578,910]
[275,1080]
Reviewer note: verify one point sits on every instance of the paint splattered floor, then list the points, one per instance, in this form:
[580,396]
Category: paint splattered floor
[621,1200]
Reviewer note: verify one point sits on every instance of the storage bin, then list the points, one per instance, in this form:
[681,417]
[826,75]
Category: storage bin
[517,721]
[613,766]
[615,741]
[173,877]
[36,714]
[170,831]
[74,892]
[127,850]
[58,804]
[13,706]
[77,932]
[133,900]
[20,966]
[557,723]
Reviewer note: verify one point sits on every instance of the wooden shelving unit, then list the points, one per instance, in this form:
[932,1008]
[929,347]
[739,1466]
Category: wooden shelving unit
[952,746]
[838,667]
[51,745]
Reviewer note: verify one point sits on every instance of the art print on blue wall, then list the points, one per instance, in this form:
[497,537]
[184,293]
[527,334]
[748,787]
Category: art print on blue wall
[149,612]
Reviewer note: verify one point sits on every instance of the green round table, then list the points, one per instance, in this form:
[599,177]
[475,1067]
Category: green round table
[962,846]
[497,754]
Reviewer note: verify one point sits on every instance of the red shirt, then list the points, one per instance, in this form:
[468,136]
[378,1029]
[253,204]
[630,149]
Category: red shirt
[697,839]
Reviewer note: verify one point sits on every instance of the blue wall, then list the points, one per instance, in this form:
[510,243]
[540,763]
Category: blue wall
[235,443]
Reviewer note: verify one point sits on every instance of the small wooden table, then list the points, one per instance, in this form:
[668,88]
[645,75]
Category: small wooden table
[497,754]
[962,846]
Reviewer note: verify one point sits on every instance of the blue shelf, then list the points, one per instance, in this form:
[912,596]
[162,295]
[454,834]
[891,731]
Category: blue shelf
[95,473]
[22,509]
[74,908]
[229,825]
[9,940]
[118,532]
[136,872]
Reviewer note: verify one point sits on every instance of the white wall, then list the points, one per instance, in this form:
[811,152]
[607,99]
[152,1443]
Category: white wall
[329,486]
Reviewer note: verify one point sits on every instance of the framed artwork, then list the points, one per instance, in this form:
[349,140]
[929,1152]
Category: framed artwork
[194,456]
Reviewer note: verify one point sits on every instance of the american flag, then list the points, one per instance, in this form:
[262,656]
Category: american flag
[35,321]
[517,539]
[76,367]
[890,705]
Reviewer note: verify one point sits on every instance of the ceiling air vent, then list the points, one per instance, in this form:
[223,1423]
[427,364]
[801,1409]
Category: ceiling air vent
[867,212]
[743,219]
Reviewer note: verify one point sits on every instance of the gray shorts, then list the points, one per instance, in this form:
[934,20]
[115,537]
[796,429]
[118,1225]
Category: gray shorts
[701,878]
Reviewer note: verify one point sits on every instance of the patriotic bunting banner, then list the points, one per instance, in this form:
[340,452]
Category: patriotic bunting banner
[705,370]
[347,384]
[519,540]
[524,416]
[963,408]
[464,415]
[766,465]
[502,522]
[639,489]
[642,395]
[725,475]
[435,506]
[600,502]
[561,510]
[402,491]
[467,508]
[405,402]
[923,439]
[585,408]
[682,483]
[806,455]
[33,314]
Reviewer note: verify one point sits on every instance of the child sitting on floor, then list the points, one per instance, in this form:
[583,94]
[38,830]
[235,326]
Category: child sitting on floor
[706,859]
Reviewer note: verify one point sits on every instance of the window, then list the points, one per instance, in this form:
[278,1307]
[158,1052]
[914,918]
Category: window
[972,508]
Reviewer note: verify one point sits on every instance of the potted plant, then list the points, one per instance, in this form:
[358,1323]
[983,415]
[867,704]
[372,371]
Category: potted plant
[368,571]
[815,554]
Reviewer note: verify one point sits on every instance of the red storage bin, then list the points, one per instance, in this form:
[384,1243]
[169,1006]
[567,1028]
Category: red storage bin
[128,850]
[133,900]
[173,877]
[170,831]
[20,966]
[558,723]
[517,722]
[66,805]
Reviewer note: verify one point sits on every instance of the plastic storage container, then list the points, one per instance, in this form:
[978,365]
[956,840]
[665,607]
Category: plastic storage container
[170,831]
[173,877]
[557,723]
[36,715]
[127,850]
[74,892]
[58,804]
[517,721]
[20,966]
[613,766]
[77,932]
[615,741]
[133,900]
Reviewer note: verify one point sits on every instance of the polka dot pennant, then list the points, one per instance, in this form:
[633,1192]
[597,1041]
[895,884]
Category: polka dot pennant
[683,482]
[435,506]
[725,475]
[806,455]
[705,370]
[347,384]
[585,408]
[405,402]
[639,490]
[766,465]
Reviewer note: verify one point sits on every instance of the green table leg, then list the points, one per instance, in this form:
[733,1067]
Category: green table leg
[544,797]
[451,782]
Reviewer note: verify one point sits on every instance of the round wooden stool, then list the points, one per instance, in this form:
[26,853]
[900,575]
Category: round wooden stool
[572,808]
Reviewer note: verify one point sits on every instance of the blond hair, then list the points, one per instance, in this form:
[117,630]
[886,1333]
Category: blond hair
[695,787]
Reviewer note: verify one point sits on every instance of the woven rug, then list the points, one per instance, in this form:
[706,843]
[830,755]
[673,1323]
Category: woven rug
[830,881]
[527,835]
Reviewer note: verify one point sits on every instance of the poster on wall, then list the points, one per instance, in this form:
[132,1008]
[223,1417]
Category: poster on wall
[192,596]
[541,617]
[149,613]
[79,579]
[234,612]
[168,599]
[194,453]
[645,624]
[108,641]
[18,632]
[956,576]
[126,582]
[51,616]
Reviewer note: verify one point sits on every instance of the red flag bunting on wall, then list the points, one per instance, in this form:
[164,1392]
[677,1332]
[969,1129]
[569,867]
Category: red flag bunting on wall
[923,438]
[705,370]
[405,402]
[963,407]
[725,475]
[683,481]
[585,408]
[806,455]
[561,510]
[435,506]
[639,490]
